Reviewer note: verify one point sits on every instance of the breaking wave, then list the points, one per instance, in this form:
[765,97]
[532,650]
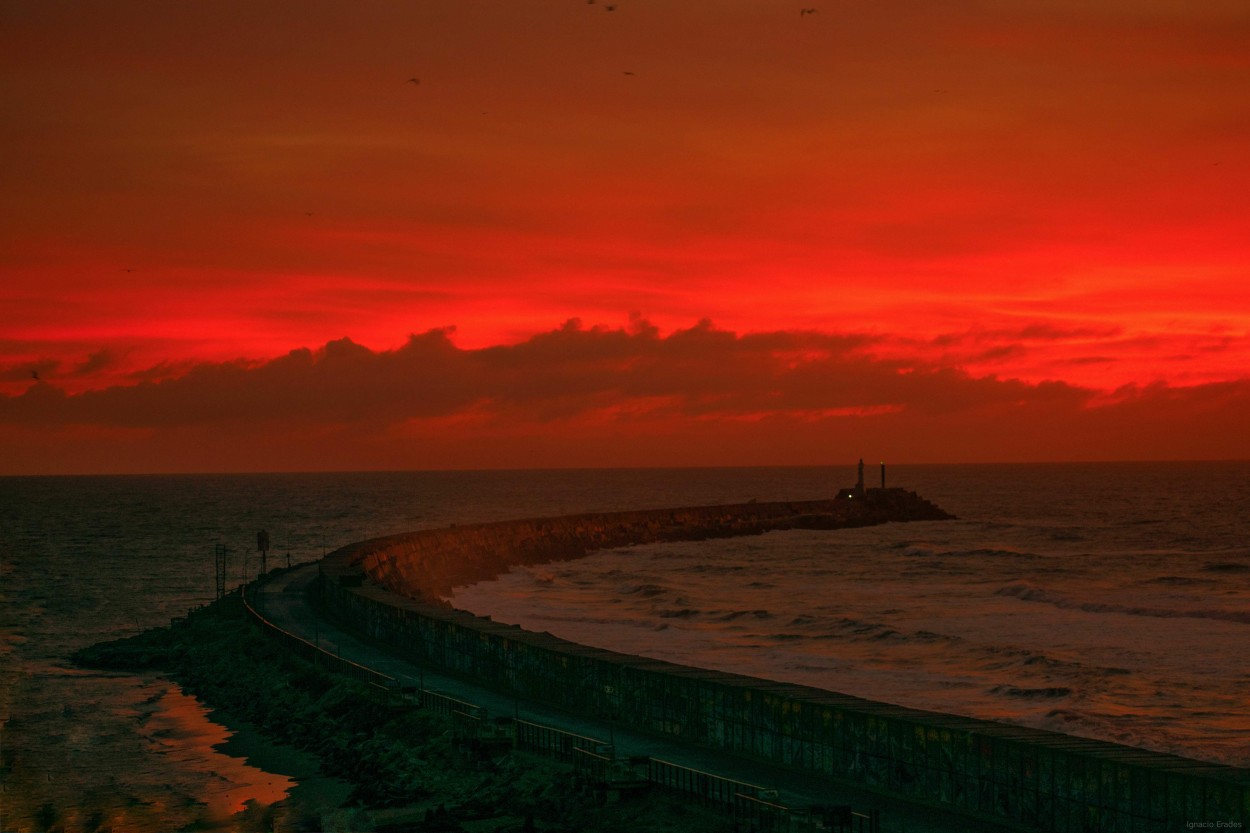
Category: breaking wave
[1029,593]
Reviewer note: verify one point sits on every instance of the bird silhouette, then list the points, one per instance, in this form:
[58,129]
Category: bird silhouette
[627,72]
[806,11]
[128,270]
[414,80]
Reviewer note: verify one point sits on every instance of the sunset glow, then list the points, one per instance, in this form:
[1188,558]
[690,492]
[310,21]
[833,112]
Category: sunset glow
[472,234]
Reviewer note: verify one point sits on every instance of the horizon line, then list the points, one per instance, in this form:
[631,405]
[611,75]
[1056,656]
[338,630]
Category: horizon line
[553,469]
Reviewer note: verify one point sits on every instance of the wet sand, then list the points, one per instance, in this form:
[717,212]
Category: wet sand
[288,784]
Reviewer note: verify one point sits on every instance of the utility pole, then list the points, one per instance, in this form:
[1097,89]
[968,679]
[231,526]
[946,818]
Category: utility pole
[262,544]
[221,560]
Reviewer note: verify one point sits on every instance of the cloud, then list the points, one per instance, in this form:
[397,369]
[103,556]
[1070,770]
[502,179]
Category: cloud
[605,396]
[557,375]
[1032,331]
[103,359]
[25,372]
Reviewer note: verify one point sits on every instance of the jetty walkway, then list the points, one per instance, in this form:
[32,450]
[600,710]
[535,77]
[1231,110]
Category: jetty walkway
[284,603]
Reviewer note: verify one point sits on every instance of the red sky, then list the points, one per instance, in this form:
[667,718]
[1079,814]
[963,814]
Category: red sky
[234,236]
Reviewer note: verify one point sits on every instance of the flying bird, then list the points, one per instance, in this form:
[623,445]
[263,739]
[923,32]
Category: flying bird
[414,80]
[806,11]
[627,72]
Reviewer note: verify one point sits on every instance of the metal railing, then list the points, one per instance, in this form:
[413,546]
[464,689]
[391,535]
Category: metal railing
[759,814]
[705,786]
[440,703]
[592,765]
[756,808]
[553,742]
[318,655]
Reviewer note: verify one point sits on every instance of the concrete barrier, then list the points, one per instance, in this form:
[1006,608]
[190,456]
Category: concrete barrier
[1028,779]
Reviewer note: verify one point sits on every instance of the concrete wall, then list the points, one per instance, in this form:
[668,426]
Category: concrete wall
[1035,780]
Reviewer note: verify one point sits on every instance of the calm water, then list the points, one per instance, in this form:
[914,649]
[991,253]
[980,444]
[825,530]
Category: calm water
[1107,600]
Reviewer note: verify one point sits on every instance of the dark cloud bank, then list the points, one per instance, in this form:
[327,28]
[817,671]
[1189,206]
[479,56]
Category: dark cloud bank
[610,397]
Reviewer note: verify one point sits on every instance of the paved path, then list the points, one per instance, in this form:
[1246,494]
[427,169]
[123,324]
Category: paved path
[283,599]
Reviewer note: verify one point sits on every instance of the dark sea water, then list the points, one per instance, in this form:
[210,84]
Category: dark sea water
[1107,600]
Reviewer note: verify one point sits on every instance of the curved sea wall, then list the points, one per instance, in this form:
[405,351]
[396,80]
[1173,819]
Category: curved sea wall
[429,563]
[391,588]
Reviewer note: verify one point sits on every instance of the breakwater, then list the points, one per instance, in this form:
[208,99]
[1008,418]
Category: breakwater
[1028,779]
[429,563]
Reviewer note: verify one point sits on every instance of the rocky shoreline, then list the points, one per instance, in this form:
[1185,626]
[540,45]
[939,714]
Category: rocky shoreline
[401,768]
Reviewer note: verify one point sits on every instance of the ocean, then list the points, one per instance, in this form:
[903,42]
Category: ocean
[1104,600]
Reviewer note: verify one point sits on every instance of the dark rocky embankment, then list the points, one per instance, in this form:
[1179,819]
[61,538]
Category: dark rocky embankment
[406,771]
[429,563]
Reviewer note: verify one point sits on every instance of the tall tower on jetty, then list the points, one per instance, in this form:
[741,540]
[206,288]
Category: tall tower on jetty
[856,492]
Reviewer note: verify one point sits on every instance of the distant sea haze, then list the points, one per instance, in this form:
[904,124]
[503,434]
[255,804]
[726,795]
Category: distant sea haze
[1104,600]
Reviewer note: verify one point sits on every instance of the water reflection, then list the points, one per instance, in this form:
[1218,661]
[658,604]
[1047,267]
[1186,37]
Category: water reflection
[137,753]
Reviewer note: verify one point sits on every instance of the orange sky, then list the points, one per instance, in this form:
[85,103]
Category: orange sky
[235,236]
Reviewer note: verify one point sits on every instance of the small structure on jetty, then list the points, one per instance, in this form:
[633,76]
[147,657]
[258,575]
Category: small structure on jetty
[393,589]
[858,491]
